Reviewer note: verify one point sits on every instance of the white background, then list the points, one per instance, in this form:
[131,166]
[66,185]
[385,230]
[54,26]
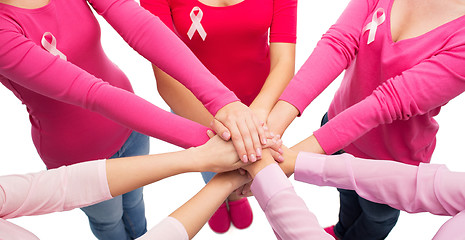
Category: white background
[18,154]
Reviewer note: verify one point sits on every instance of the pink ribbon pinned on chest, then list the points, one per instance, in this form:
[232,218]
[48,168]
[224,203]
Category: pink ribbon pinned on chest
[373,25]
[196,25]
[51,47]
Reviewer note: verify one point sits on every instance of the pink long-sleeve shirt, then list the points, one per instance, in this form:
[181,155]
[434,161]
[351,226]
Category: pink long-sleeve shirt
[66,99]
[425,188]
[63,189]
[235,47]
[391,91]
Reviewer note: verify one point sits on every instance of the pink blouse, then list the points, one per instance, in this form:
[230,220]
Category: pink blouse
[391,91]
[235,45]
[425,188]
[71,100]
[63,189]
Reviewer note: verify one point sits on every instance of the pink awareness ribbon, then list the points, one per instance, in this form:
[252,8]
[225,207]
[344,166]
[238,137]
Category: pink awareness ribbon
[196,26]
[51,47]
[373,25]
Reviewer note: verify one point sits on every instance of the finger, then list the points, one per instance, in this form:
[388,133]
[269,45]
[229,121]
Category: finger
[210,133]
[261,129]
[246,189]
[257,146]
[238,143]
[277,156]
[269,134]
[274,143]
[220,129]
[247,140]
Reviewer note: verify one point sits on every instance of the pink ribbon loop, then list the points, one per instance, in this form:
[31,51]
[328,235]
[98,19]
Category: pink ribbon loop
[196,26]
[51,47]
[373,25]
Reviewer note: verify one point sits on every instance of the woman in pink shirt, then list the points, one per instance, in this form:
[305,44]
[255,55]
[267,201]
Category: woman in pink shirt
[403,61]
[424,188]
[249,45]
[82,184]
[81,105]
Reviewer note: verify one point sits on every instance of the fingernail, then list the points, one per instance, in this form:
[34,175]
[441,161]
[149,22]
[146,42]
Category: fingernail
[265,127]
[281,158]
[244,158]
[264,141]
[259,152]
[225,135]
[253,158]
[209,132]
[280,150]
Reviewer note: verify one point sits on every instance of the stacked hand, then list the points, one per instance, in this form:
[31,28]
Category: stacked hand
[237,122]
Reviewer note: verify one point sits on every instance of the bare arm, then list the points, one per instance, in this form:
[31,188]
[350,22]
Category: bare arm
[282,57]
[127,174]
[180,99]
[196,212]
[281,116]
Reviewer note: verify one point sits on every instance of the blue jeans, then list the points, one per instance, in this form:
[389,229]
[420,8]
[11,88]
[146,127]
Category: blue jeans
[207,176]
[360,219]
[122,217]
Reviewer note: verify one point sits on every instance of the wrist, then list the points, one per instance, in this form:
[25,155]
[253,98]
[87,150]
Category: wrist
[290,157]
[197,161]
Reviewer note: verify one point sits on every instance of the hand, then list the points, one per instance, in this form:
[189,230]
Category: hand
[237,122]
[288,165]
[255,168]
[234,178]
[244,190]
[216,155]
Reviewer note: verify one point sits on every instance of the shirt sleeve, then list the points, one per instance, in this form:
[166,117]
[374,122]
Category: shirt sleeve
[148,35]
[161,9]
[30,66]
[284,24]
[333,53]
[12,231]
[426,188]
[424,87]
[286,212]
[53,190]
[168,229]
[452,228]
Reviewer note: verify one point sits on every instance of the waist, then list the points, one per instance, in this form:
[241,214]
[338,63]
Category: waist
[76,135]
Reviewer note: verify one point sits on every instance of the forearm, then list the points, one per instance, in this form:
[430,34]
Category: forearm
[55,190]
[281,72]
[180,99]
[410,188]
[127,174]
[285,210]
[309,144]
[196,212]
[281,117]
[157,43]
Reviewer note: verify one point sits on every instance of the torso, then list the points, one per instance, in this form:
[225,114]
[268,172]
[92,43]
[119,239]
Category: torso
[414,32]
[74,27]
[27,4]
[413,18]
[222,3]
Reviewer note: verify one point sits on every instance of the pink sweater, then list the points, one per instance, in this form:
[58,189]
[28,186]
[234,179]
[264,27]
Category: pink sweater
[66,99]
[391,91]
[235,47]
[425,188]
[63,189]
